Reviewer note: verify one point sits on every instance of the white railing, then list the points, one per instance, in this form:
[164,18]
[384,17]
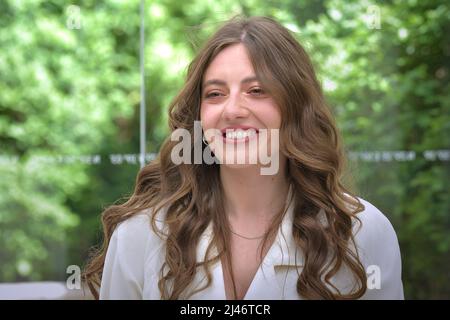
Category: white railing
[47,290]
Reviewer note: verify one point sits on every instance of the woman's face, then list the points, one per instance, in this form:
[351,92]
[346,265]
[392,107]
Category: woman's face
[232,97]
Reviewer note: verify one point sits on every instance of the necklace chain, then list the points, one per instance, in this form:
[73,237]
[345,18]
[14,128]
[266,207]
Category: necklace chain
[248,238]
[251,238]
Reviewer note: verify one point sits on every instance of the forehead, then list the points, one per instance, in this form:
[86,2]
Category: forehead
[233,61]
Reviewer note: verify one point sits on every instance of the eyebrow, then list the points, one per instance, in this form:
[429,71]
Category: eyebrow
[222,83]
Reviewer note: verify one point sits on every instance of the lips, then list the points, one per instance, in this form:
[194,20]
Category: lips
[237,128]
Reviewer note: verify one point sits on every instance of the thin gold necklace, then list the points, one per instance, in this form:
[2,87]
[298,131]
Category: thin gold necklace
[248,238]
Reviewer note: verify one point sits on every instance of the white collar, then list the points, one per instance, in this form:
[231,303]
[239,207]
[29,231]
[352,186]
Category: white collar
[283,251]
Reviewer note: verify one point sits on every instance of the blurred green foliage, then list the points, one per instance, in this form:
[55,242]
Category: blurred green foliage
[69,86]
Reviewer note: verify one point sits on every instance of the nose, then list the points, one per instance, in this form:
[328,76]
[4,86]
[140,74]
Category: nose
[235,107]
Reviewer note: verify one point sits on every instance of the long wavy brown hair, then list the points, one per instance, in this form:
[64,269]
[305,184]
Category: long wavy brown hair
[192,194]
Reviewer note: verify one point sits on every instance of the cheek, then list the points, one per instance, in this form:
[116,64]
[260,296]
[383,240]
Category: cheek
[276,119]
[270,115]
[205,116]
[209,116]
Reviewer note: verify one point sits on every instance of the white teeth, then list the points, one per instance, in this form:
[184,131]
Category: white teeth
[240,134]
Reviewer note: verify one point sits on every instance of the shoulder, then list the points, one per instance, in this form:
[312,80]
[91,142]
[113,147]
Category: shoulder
[379,252]
[374,235]
[132,244]
[135,236]
[372,222]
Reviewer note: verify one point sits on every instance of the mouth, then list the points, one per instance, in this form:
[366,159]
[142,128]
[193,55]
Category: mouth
[239,135]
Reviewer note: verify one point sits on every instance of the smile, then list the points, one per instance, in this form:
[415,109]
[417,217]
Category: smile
[235,136]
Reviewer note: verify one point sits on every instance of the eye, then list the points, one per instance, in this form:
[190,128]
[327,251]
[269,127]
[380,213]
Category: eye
[213,94]
[256,91]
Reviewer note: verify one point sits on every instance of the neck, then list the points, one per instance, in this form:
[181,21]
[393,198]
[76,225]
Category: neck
[250,196]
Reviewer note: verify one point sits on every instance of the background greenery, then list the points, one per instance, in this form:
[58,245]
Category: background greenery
[69,89]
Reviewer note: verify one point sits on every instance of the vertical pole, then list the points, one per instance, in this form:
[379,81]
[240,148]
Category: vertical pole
[142,118]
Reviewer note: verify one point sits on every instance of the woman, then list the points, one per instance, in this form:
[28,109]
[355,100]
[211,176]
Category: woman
[226,230]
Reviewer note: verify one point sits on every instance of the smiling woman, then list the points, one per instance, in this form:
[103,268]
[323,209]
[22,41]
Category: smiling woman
[233,95]
[224,230]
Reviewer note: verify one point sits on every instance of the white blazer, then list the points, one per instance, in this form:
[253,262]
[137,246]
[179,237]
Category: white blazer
[136,253]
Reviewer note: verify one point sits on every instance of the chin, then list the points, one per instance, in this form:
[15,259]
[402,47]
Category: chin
[238,162]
